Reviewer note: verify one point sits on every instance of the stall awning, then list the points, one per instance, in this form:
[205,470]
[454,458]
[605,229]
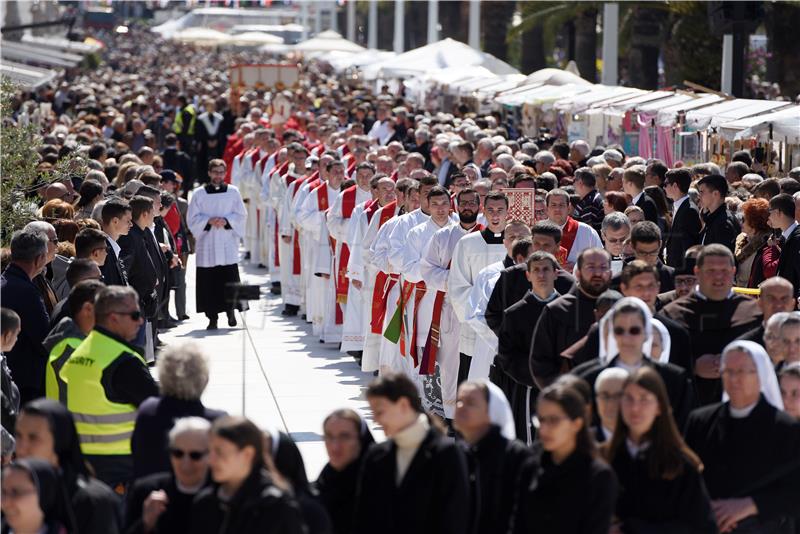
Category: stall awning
[619,107]
[62,44]
[785,125]
[27,77]
[31,54]
[668,115]
[730,110]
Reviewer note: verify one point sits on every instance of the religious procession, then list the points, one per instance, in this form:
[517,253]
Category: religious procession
[494,267]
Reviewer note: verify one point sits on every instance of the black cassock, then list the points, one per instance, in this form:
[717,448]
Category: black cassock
[757,456]
[677,380]
[495,466]
[660,506]
[712,325]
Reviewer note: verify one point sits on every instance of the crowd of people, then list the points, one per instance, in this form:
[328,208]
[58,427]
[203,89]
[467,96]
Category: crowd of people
[620,354]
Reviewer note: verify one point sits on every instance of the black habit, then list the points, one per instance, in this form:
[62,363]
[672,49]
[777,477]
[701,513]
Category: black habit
[756,456]
[176,518]
[712,325]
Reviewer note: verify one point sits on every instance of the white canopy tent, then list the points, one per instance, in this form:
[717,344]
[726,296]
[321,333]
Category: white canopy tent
[254,39]
[440,55]
[785,125]
[328,41]
[27,77]
[37,55]
[668,115]
[341,61]
[543,95]
[730,110]
[580,102]
[620,107]
[483,87]
[552,76]
[201,37]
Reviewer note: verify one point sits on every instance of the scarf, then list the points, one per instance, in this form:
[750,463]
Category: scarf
[746,246]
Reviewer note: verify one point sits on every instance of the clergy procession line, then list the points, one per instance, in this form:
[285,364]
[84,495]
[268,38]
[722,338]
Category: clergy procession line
[565,338]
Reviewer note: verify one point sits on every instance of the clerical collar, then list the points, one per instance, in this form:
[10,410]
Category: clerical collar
[789,231]
[492,238]
[630,368]
[634,449]
[703,297]
[741,413]
[212,189]
[188,490]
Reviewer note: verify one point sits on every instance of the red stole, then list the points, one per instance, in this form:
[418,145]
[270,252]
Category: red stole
[383,281]
[233,147]
[322,205]
[342,282]
[568,234]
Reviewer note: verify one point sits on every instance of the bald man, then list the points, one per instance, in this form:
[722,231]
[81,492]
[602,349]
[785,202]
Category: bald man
[777,295]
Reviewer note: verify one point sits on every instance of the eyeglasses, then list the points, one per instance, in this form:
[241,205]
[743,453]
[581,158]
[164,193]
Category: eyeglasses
[646,254]
[616,241]
[195,456]
[632,331]
[685,282]
[547,420]
[135,315]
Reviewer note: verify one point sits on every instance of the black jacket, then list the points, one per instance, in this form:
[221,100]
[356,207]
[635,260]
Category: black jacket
[756,335]
[495,466]
[575,497]
[666,276]
[648,207]
[154,419]
[660,506]
[685,233]
[720,227]
[755,456]
[515,338]
[678,381]
[143,271]
[259,507]
[113,270]
[175,519]
[511,286]
[432,498]
[789,263]
[178,161]
[27,359]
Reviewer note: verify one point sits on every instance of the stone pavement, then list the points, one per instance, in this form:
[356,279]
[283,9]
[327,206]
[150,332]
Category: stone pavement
[291,379]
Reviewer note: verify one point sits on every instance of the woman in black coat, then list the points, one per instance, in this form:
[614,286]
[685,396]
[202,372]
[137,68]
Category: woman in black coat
[45,430]
[567,489]
[38,503]
[661,488]
[416,481]
[244,498]
[347,440]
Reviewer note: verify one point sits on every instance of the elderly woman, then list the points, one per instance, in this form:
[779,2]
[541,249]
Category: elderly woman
[757,260]
[748,446]
[163,502]
[183,375]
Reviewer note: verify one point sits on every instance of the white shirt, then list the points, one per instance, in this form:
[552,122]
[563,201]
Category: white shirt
[115,247]
[677,204]
[585,237]
[636,198]
[741,413]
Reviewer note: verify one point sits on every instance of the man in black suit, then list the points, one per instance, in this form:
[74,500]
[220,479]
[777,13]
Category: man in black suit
[721,226]
[685,230]
[116,218]
[179,161]
[633,185]
[646,243]
[777,295]
[781,217]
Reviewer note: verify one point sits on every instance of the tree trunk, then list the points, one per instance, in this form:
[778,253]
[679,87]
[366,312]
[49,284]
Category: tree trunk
[416,24]
[783,67]
[13,19]
[495,20]
[644,48]
[533,58]
[454,17]
[586,44]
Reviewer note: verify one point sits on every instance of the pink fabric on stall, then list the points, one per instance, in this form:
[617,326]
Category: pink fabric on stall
[664,145]
[645,142]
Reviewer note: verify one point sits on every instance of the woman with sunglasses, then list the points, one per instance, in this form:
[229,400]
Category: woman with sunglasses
[569,489]
[162,502]
[46,431]
[244,498]
[661,488]
[626,333]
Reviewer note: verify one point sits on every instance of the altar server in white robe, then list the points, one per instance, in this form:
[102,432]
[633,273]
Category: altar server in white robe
[344,220]
[391,357]
[419,302]
[516,240]
[371,260]
[575,235]
[216,217]
[327,316]
[472,254]
[270,165]
[440,348]
[251,194]
[236,166]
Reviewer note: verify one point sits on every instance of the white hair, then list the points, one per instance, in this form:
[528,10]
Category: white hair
[188,425]
[610,373]
[183,371]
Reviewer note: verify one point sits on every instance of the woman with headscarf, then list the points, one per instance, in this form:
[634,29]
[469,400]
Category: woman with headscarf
[33,500]
[567,488]
[661,488]
[283,459]
[749,446]
[46,430]
[347,440]
[495,458]
[626,332]
[416,480]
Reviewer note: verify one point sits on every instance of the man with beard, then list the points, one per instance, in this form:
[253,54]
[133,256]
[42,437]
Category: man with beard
[440,347]
[471,254]
[568,318]
[217,218]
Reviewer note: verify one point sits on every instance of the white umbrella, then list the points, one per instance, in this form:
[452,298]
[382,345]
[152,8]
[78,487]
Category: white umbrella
[254,39]
[328,41]
[201,36]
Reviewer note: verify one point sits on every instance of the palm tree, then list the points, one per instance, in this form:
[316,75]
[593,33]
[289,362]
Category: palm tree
[495,19]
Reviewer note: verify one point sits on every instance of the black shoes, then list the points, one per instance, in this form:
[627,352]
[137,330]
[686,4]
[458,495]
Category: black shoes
[290,310]
[275,289]
[212,324]
[232,319]
[247,255]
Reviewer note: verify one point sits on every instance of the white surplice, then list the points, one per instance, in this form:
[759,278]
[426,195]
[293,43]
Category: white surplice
[485,339]
[216,246]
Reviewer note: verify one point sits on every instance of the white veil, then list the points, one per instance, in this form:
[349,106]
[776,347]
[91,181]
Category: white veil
[766,372]
[500,410]
[608,345]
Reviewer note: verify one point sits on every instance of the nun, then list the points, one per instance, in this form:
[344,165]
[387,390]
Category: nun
[749,446]
[626,341]
[33,499]
[347,440]
[495,458]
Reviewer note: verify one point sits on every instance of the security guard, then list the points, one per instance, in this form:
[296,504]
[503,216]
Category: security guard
[70,332]
[107,378]
[184,124]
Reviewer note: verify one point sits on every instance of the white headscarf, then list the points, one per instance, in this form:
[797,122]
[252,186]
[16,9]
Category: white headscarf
[500,410]
[666,341]
[608,345]
[766,372]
